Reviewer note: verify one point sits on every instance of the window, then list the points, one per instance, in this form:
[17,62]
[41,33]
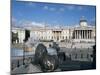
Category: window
[66,37]
[63,37]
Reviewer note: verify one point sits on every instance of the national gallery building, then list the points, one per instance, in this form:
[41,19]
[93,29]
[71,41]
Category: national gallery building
[82,33]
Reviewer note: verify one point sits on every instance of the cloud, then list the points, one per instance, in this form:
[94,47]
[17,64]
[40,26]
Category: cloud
[74,7]
[52,9]
[46,7]
[37,24]
[27,23]
[49,8]
[80,7]
[70,7]
[31,4]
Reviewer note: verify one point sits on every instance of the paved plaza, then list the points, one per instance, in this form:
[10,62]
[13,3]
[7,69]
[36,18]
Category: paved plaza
[78,57]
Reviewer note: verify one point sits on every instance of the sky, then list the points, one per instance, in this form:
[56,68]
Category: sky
[51,14]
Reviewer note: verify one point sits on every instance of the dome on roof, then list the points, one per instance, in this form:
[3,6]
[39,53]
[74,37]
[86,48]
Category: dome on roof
[83,21]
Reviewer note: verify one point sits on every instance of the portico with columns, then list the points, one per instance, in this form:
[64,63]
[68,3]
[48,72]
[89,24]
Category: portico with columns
[83,32]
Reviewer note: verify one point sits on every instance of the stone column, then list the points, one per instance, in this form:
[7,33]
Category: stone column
[89,34]
[86,34]
[75,34]
[82,34]
[79,34]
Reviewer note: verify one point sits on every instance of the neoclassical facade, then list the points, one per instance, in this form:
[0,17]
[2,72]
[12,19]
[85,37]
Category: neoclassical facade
[83,32]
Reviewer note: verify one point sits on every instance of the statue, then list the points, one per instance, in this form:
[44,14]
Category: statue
[46,61]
